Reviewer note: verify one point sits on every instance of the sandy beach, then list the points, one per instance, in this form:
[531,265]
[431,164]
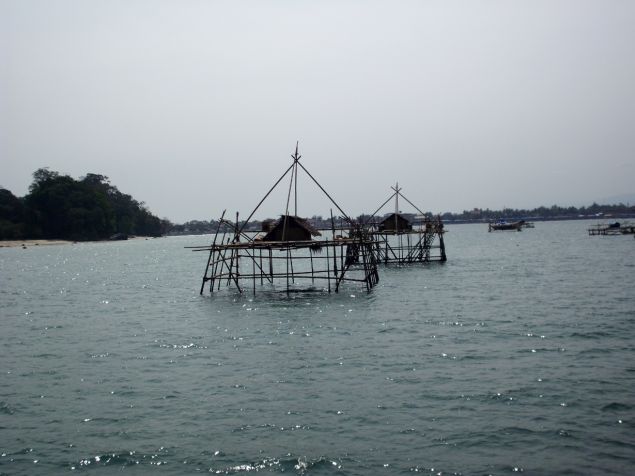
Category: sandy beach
[27,243]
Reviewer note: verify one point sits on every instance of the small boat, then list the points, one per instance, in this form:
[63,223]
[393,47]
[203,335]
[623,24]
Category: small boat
[505,225]
[119,236]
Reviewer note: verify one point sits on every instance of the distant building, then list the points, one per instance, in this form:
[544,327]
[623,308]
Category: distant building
[289,228]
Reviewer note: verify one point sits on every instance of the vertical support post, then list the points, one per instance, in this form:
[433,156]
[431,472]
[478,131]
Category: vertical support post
[328,268]
[342,253]
[334,246]
[291,261]
[295,180]
[287,273]
[261,269]
[253,274]
[312,274]
[442,247]
[237,238]
[271,264]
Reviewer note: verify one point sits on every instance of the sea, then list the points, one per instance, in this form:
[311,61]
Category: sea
[517,355]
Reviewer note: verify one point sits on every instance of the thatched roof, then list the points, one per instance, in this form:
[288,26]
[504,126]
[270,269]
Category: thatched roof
[394,219]
[301,222]
[293,223]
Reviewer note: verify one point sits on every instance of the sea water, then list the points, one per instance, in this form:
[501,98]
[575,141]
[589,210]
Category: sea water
[517,355]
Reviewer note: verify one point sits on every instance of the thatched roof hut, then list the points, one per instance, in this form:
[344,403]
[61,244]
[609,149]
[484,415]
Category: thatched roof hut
[290,228]
[395,223]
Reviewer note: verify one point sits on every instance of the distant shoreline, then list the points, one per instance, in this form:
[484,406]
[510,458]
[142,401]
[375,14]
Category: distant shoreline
[28,243]
[41,242]
[624,216]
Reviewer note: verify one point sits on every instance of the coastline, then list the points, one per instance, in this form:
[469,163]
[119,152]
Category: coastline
[29,243]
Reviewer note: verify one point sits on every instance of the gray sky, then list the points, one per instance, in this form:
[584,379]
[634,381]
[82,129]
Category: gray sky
[196,106]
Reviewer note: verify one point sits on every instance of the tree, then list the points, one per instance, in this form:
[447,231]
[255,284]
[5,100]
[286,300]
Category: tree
[11,216]
[41,176]
[59,206]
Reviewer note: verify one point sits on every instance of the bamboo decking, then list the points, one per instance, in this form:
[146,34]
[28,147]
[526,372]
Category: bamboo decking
[611,229]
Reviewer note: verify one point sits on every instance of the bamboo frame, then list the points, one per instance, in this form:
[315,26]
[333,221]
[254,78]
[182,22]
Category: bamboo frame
[240,260]
[423,244]
[291,264]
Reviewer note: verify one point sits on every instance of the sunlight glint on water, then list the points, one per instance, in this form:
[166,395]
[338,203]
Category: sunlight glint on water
[516,355]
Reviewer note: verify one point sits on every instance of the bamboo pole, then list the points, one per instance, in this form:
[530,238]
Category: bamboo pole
[326,193]
[211,251]
[265,197]
[335,247]
[328,268]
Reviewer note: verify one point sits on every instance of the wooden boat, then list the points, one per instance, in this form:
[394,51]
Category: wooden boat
[505,225]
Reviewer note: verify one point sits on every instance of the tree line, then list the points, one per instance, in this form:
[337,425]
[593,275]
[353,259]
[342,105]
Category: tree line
[60,207]
[555,212]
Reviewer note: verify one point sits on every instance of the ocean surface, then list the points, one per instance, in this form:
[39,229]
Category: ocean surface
[515,356]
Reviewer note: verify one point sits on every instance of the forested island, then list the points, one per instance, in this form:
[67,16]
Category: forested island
[58,207]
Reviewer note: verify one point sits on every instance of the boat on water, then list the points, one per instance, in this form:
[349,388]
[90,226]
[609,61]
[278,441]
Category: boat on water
[118,237]
[506,225]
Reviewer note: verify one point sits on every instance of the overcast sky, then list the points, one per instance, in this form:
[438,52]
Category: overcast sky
[196,106]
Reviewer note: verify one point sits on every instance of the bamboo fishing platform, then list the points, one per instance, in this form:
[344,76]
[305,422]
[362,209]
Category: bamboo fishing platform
[398,240]
[289,254]
[611,229]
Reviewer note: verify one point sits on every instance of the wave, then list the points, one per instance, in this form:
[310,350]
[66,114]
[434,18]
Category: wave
[616,406]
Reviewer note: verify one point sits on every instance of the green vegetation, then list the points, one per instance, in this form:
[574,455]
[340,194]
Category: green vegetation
[198,227]
[60,207]
[543,213]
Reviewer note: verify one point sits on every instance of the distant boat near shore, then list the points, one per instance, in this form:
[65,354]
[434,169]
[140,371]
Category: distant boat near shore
[119,236]
[507,226]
